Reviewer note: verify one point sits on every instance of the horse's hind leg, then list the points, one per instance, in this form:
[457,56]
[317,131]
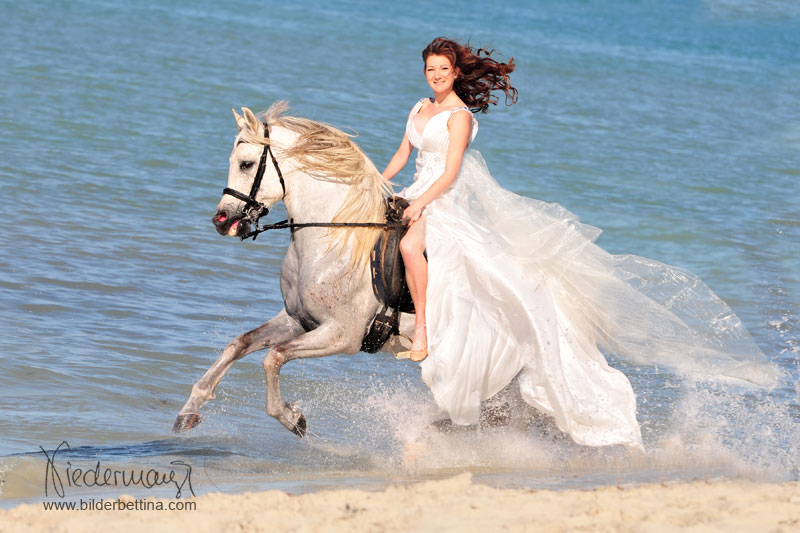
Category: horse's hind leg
[325,340]
[279,329]
[497,411]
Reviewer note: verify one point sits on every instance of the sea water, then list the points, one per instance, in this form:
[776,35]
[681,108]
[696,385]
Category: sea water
[674,126]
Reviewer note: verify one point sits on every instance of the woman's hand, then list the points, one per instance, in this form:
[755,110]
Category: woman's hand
[412,213]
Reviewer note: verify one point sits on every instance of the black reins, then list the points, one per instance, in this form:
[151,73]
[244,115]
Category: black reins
[290,224]
[254,210]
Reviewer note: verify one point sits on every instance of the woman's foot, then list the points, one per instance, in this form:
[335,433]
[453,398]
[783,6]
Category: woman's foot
[413,355]
[418,355]
[419,346]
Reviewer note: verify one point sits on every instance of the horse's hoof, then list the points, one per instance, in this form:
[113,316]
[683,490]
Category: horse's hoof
[446,425]
[186,422]
[299,428]
[495,416]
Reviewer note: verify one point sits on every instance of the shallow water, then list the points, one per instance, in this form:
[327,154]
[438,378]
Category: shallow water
[675,128]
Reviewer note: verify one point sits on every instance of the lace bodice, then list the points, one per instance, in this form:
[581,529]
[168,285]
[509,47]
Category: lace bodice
[434,137]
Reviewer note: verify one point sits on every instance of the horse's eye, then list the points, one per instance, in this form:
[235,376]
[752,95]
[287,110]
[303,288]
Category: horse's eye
[245,165]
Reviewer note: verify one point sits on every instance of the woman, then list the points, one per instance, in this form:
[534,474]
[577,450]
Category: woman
[440,57]
[516,287]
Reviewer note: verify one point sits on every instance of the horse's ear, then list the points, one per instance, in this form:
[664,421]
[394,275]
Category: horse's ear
[239,120]
[254,124]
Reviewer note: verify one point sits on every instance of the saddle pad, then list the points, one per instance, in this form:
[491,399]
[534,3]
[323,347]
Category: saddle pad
[386,262]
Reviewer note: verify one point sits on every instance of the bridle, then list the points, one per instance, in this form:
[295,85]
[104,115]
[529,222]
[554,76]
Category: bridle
[254,210]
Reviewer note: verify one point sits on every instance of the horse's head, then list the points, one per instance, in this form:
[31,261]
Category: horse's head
[254,182]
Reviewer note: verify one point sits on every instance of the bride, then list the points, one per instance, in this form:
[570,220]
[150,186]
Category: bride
[513,285]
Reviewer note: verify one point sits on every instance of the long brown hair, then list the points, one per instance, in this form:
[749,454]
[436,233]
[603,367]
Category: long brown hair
[478,74]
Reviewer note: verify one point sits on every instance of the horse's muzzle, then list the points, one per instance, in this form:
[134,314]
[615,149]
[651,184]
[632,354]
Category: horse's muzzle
[224,222]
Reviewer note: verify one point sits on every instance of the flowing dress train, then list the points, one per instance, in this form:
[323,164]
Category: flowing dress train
[517,286]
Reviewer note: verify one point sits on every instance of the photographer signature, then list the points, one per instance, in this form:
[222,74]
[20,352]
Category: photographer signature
[101,477]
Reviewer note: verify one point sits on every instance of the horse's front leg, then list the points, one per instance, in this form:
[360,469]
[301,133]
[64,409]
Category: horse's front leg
[281,328]
[327,339]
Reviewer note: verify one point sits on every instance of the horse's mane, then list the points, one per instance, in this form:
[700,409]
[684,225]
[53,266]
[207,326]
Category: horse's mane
[327,153]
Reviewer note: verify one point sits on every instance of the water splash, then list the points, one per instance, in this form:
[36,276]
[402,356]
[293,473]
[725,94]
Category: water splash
[706,431]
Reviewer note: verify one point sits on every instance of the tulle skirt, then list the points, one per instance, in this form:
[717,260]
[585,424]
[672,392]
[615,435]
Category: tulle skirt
[518,287]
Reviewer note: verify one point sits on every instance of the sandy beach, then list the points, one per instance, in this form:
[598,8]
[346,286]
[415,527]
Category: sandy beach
[456,504]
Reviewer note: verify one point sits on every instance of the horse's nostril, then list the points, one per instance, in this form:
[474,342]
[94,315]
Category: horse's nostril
[221,217]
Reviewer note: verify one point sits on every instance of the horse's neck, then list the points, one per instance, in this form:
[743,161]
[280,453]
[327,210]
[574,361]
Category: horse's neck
[307,199]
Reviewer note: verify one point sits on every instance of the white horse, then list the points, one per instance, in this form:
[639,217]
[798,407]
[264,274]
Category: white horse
[321,176]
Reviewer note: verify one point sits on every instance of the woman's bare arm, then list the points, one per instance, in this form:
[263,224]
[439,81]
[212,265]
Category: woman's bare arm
[399,159]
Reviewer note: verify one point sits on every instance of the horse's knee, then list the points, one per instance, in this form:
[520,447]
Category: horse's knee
[237,345]
[274,360]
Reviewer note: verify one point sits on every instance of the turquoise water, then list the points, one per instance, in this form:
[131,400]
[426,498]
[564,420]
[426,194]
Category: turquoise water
[674,126]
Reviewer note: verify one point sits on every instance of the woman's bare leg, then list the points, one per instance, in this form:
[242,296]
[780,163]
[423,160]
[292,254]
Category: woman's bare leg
[412,247]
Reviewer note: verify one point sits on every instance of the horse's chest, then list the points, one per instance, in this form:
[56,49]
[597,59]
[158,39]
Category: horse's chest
[299,309]
[311,292]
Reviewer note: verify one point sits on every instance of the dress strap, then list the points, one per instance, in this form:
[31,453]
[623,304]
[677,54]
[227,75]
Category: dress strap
[471,116]
[462,108]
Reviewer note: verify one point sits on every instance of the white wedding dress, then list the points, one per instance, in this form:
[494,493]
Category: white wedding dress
[517,286]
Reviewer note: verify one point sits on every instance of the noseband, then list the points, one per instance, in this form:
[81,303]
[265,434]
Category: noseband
[253,209]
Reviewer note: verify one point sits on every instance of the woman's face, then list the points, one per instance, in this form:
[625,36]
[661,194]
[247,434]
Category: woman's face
[439,73]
